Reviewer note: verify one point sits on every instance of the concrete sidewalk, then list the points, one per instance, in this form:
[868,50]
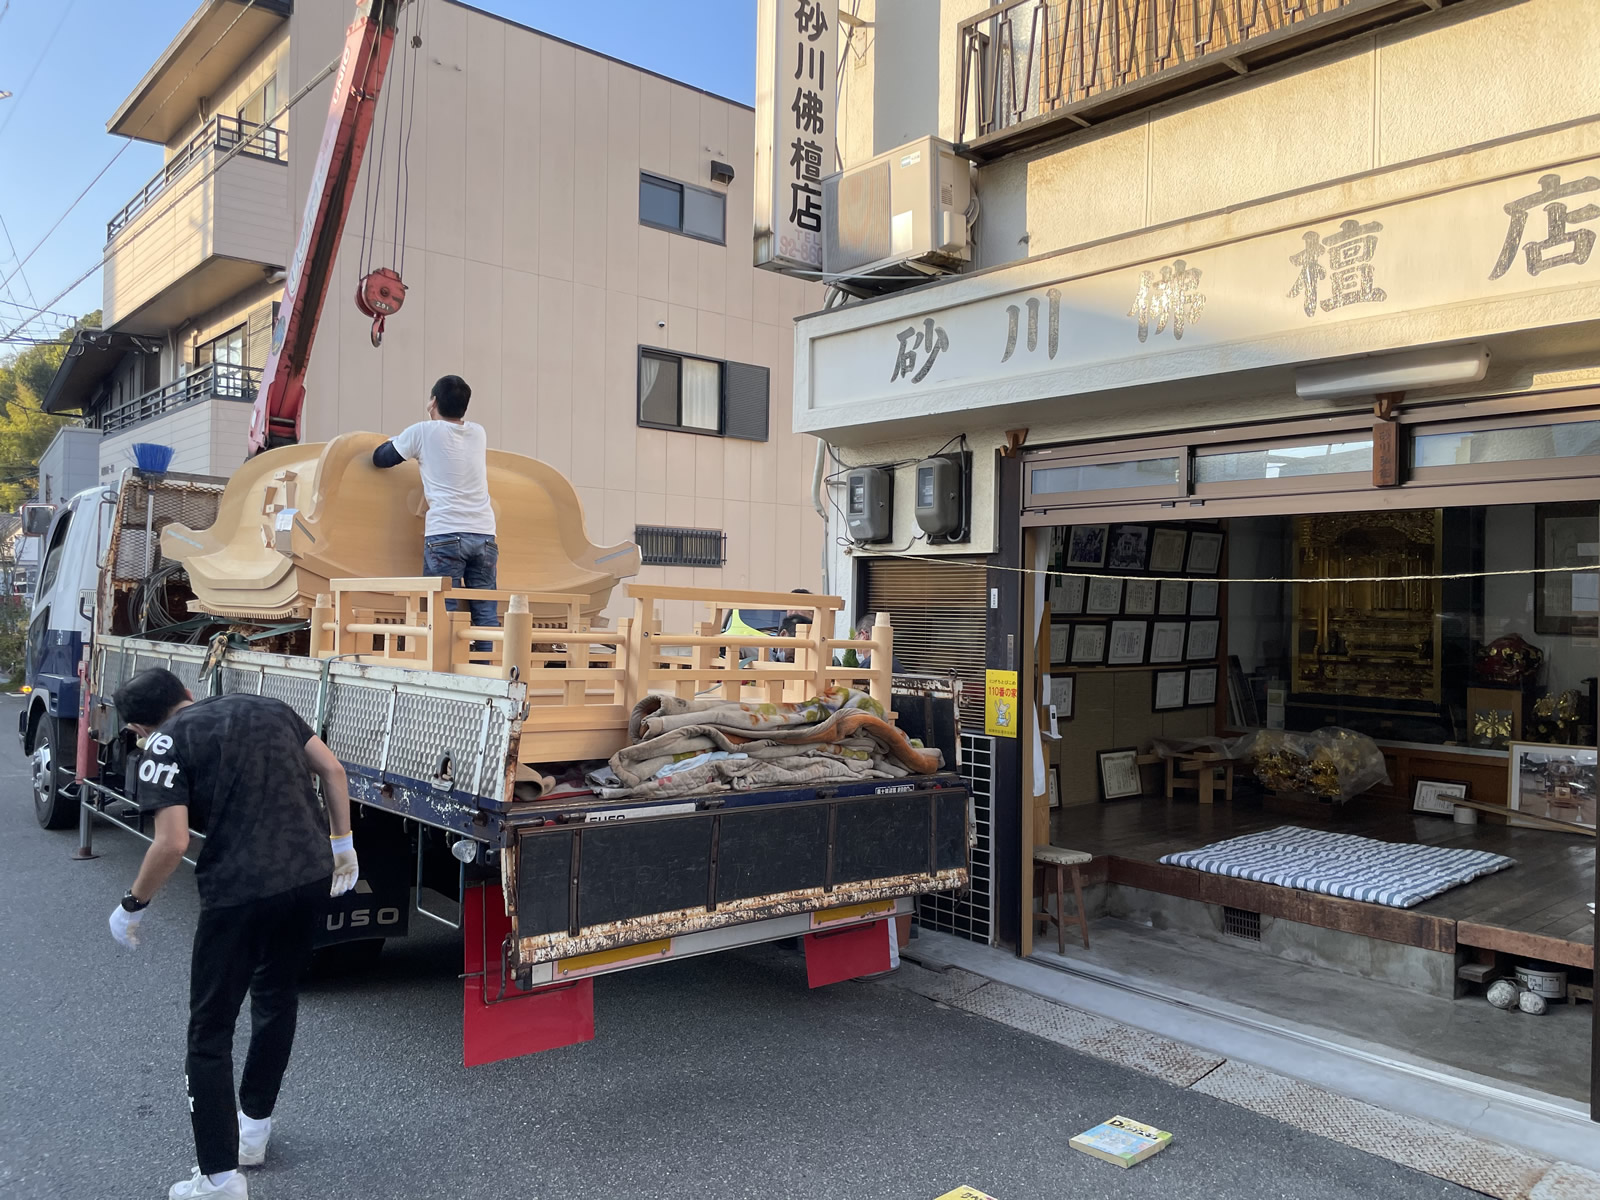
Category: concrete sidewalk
[1427,1121]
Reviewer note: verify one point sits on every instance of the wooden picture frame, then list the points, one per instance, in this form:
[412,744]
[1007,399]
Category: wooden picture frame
[1086,545]
[1128,548]
[1169,690]
[1088,645]
[1125,644]
[1168,640]
[1205,553]
[1119,774]
[1204,597]
[1174,600]
[1139,598]
[1564,602]
[1204,638]
[1435,795]
[1105,596]
[1167,549]
[1202,689]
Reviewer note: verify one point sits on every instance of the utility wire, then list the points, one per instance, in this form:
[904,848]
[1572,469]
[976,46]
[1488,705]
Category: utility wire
[249,4]
[43,54]
[6,229]
[127,239]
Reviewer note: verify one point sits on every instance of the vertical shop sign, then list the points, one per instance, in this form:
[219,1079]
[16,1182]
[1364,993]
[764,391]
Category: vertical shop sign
[796,77]
[1000,704]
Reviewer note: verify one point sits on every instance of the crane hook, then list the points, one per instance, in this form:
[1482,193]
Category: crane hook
[380,295]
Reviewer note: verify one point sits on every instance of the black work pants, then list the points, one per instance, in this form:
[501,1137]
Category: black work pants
[261,948]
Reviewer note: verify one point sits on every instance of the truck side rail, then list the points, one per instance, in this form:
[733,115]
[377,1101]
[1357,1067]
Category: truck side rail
[440,749]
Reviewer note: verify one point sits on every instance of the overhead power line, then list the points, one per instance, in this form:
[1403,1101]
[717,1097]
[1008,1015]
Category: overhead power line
[249,4]
[21,91]
[174,201]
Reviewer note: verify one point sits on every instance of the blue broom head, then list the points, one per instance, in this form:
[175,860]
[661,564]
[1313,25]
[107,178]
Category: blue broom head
[148,456]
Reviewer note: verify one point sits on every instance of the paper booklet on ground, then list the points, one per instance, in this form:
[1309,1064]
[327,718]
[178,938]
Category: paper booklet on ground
[1122,1141]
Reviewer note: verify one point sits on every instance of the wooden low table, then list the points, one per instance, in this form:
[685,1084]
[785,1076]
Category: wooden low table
[1200,773]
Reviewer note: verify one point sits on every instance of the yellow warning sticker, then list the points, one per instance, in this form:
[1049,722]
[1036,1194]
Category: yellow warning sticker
[852,912]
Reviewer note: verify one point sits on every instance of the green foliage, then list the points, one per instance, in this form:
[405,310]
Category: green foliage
[25,428]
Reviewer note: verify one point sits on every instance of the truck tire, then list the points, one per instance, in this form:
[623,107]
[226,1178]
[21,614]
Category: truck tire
[55,802]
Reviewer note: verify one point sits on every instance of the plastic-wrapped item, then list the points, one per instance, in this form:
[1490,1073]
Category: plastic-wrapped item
[1333,763]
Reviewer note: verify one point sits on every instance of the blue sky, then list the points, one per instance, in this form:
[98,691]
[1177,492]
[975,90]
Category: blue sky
[52,130]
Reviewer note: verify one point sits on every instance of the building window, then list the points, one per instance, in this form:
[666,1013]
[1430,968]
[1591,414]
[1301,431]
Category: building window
[666,546]
[262,103]
[682,208]
[703,395]
[227,352]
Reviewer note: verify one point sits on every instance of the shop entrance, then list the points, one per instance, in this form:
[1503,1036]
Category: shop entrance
[1330,745]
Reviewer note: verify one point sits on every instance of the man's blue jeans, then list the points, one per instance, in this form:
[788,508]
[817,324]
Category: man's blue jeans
[467,560]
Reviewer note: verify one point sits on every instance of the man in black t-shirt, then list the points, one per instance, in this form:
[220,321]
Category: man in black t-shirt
[239,769]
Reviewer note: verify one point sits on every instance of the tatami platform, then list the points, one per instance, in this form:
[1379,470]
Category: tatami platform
[1536,909]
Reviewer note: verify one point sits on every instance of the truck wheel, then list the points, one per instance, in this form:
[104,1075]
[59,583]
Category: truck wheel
[55,803]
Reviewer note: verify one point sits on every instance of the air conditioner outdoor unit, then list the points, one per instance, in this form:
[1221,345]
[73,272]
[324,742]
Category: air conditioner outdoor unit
[902,214]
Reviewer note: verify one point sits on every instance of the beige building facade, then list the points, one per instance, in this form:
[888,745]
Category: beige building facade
[535,185]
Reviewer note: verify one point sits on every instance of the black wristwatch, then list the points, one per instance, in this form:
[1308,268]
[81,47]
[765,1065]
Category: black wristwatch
[131,903]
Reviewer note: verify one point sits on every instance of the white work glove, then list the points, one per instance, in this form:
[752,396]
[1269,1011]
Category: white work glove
[345,868]
[125,926]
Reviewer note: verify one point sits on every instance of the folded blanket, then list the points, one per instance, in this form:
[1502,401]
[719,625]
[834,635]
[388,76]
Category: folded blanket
[842,735]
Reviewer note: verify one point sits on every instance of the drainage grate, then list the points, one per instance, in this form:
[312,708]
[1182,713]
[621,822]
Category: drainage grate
[1241,923]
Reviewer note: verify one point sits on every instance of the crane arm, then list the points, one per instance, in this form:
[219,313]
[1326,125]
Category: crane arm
[280,401]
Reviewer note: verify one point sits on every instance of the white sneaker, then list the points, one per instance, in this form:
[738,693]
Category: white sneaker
[253,1137]
[201,1185]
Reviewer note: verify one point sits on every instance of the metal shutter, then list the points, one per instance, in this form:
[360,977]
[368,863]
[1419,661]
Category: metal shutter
[746,390]
[940,614]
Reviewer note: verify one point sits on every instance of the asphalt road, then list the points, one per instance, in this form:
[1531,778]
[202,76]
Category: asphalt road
[717,1077]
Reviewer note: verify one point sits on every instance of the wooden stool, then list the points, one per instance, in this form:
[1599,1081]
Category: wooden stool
[1199,772]
[1056,863]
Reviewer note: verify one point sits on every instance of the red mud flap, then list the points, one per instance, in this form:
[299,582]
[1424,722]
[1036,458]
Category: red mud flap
[835,955]
[496,1026]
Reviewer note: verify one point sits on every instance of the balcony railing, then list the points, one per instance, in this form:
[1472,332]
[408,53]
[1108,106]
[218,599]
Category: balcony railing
[221,134]
[214,381]
[1032,70]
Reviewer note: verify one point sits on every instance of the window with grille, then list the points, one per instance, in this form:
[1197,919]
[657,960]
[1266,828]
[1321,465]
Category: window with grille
[1241,923]
[703,395]
[666,546]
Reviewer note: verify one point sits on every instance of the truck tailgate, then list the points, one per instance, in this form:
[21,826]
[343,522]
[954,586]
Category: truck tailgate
[593,879]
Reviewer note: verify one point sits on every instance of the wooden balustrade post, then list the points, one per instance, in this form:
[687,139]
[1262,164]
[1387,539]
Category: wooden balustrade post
[454,624]
[322,614]
[880,685]
[703,659]
[640,658]
[517,649]
[823,659]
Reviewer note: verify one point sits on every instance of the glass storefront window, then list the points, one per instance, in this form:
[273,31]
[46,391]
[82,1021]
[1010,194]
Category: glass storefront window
[1283,462]
[1106,476]
[1573,439]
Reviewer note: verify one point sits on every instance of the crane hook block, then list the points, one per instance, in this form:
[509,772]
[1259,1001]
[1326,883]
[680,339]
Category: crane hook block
[380,295]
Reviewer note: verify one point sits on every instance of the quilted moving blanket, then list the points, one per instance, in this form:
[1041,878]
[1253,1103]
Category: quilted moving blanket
[1397,874]
[842,735]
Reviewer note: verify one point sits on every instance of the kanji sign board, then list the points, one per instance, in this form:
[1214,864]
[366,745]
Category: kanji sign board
[797,73]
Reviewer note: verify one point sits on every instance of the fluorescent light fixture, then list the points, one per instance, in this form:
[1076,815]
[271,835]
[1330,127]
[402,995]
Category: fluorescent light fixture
[1406,371]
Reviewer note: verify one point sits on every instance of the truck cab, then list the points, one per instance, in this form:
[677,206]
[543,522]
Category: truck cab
[60,622]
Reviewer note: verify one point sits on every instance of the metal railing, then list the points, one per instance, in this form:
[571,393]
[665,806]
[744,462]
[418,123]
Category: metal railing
[220,133]
[214,381]
[1054,62]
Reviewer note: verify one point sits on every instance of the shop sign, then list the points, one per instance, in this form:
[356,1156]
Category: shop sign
[1333,286]
[796,74]
[1000,704]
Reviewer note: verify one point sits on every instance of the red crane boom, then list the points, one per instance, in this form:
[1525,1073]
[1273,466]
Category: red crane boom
[280,402]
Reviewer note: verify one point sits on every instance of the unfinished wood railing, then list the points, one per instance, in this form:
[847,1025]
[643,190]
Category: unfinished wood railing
[583,682]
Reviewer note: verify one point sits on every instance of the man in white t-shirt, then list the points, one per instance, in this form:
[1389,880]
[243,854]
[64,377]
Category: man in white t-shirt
[453,453]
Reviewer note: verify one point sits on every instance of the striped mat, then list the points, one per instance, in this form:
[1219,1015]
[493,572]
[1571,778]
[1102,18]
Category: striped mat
[1398,874]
